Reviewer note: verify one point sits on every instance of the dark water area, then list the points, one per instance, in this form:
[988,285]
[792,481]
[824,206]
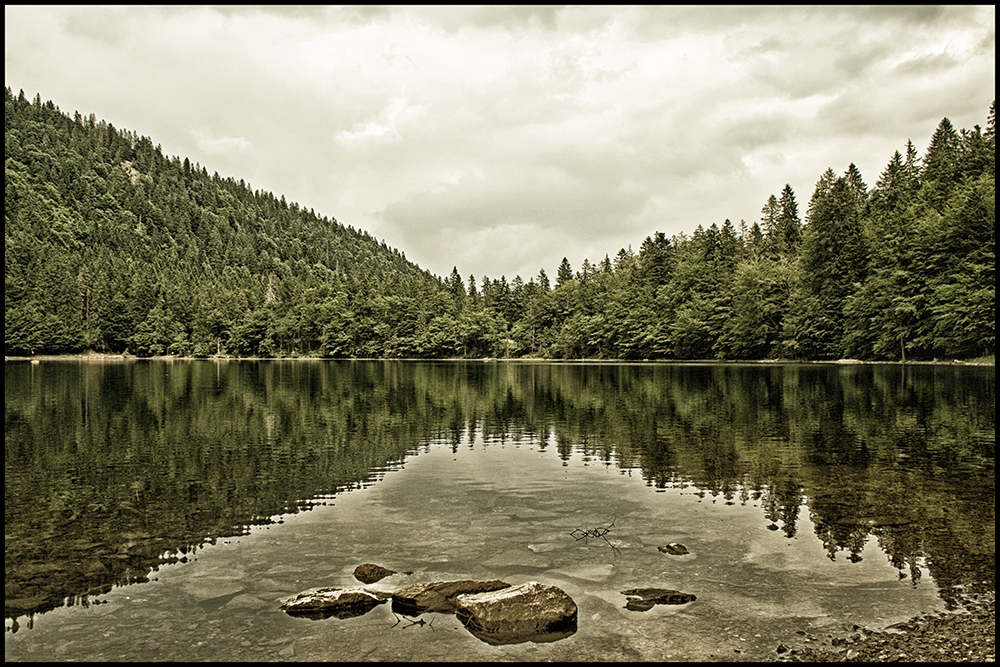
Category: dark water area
[161,510]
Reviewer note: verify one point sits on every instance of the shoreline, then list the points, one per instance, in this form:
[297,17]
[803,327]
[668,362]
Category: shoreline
[105,356]
[964,635]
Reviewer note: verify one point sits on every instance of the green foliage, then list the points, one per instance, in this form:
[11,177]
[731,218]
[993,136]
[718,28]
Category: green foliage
[113,247]
[833,261]
[762,289]
[962,300]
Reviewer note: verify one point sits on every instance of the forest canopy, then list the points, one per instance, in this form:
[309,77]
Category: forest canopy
[111,246]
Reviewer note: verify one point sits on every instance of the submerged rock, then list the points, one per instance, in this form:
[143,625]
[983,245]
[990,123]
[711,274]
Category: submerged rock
[335,602]
[674,549]
[369,573]
[529,612]
[644,599]
[438,596]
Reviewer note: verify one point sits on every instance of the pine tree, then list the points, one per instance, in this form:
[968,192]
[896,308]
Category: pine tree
[941,164]
[833,261]
[564,274]
[977,154]
[770,214]
[455,284]
[822,188]
[655,261]
[891,191]
[789,225]
[859,189]
[882,315]
[990,134]
[543,281]
[911,166]
[962,280]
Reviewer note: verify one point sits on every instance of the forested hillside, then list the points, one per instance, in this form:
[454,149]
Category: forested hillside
[111,246]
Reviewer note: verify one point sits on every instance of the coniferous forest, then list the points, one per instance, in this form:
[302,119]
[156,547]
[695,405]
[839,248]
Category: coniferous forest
[111,246]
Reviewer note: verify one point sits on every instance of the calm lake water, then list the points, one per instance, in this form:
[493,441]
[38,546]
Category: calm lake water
[160,510]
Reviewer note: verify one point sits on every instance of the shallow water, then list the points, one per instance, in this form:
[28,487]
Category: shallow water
[810,498]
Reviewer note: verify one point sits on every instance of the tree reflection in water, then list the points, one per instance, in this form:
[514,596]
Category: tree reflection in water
[115,468]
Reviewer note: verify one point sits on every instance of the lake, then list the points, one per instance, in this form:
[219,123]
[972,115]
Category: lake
[162,510]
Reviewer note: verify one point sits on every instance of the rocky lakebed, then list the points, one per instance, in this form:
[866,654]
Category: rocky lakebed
[494,611]
[498,612]
[966,635]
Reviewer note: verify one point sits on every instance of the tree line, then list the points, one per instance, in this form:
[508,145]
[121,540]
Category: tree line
[112,246]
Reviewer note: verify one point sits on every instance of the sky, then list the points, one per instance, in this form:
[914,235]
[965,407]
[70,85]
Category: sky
[498,140]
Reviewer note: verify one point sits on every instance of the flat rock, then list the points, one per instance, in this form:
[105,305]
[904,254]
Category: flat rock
[438,596]
[336,602]
[529,612]
[644,599]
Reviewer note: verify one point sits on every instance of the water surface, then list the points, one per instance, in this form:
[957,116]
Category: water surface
[161,510]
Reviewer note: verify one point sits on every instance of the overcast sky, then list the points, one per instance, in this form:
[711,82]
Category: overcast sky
[500,139]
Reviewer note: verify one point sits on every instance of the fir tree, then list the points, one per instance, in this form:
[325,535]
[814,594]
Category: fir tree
[789,225]
[564,274]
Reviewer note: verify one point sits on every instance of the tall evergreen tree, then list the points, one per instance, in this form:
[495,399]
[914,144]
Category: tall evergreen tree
[770,214]
[962,278]
[882,315]
[789,225]
[655,261]
[941,164]
[455,285]
[543,281]
[473,292]
[564,274]
[833,261]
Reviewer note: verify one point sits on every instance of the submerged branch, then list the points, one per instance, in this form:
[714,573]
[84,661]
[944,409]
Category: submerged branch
[600,531]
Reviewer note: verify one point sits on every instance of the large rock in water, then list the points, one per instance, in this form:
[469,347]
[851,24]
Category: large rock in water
[438,596]
[530,612]
[336,602]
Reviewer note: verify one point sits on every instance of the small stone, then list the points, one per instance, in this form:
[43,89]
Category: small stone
[673,549]
[644,599]
[369,573]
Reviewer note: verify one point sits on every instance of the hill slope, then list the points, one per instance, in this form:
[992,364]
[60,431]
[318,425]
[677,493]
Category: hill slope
[110,245]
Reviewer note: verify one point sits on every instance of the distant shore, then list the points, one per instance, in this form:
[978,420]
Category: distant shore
[106,356]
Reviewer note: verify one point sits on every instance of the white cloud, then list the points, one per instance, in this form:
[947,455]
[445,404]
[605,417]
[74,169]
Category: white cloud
[219,146]
[500,139]
[386,128]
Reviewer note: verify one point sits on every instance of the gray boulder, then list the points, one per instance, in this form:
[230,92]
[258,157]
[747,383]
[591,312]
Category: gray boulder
[529,612]
[438,596]
[334,602]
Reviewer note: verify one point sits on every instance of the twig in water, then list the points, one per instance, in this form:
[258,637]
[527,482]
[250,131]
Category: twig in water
[601,532]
